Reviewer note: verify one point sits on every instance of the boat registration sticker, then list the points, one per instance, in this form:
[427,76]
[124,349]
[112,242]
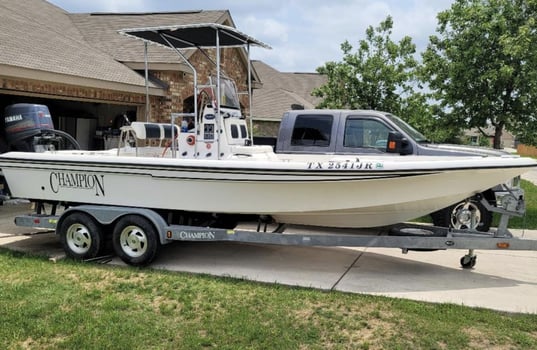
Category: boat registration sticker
[344,165]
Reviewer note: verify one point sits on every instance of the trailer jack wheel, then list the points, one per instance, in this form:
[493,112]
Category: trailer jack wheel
[135,240]
[468,261]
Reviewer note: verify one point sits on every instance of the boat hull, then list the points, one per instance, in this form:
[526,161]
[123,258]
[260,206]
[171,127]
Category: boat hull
[367,193]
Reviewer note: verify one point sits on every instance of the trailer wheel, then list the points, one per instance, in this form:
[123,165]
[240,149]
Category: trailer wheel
[81,236]
[135,240]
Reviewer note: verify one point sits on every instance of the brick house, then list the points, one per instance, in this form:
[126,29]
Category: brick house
[90,76]
[485,137]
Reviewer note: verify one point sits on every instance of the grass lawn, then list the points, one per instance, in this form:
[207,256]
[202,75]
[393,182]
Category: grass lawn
[69,305]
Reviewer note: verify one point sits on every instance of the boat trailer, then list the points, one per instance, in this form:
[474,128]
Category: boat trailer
[137,233]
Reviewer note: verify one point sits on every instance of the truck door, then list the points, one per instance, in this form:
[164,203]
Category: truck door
[362,134]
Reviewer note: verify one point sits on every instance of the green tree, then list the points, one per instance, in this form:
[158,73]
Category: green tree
[482,67]
[430,119]
[374,77]
[381,75]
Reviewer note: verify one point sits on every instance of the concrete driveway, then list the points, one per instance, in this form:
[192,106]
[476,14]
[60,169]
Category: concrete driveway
[501,280]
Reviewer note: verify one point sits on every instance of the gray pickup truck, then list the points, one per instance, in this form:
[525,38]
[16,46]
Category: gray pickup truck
[364,132]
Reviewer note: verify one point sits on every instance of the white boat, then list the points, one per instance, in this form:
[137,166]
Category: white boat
[309,190]
[213,170]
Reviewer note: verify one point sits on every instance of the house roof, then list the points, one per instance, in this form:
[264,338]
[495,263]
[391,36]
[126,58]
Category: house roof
[101,31]
[44,42]
[280,90]
[38,36]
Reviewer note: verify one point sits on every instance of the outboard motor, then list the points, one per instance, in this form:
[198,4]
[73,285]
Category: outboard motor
[29,128]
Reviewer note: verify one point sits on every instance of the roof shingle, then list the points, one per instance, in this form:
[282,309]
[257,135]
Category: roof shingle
[101,31]
[281,90]
[37,35]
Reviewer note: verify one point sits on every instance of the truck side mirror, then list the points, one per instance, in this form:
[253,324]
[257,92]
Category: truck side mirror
[397,143]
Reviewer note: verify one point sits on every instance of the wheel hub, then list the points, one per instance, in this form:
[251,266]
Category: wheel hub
[464,216]
[133,241]
[463,213]
[78,238]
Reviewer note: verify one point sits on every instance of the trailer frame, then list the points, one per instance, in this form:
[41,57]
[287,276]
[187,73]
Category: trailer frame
[138,233]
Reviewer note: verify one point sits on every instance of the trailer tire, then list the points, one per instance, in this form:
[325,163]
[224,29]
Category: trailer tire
[81,236]
[447,217]
[135,240]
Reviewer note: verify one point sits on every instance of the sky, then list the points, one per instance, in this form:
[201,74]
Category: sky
[303,34]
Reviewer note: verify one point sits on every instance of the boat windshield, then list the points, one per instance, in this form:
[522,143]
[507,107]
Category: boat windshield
[409,130]
[228,93]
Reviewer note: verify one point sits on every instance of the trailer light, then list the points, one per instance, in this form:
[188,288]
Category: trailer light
[502,245]
[37,221]
[169,234]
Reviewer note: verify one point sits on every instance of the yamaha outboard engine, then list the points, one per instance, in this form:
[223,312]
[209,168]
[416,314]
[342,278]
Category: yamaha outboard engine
[29,128]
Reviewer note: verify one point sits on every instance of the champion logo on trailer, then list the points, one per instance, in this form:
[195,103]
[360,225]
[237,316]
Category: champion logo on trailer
[80,181]
[197,235]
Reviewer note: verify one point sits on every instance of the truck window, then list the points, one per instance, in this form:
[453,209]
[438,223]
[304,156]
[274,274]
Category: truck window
[312,130]
[408,129]
[365,133]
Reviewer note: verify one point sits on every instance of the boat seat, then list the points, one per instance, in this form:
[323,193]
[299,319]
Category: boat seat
[160,131]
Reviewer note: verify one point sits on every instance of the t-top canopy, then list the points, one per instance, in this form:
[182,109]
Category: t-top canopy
[194,36]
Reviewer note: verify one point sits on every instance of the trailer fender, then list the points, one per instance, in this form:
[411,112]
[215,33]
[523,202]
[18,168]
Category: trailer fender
[108,215]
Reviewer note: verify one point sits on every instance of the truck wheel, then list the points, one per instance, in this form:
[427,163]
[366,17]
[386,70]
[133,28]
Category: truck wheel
[81,236]
[459,216]
[135,240]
